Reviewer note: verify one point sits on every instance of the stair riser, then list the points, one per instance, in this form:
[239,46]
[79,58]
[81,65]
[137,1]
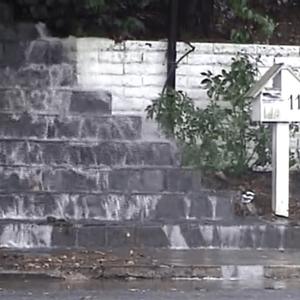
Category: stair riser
[37,76]
[168,236]
[75,128]
[22,49]
[68,180]
[34,100]
[51,99]
[86,154]
[116,207]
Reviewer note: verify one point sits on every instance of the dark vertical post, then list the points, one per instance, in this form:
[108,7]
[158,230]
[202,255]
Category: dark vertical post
[172,40]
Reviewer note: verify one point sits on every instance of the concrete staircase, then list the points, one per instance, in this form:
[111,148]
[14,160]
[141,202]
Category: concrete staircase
[72,175]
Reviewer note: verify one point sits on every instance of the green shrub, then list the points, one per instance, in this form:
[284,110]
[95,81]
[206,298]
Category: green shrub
[221,136]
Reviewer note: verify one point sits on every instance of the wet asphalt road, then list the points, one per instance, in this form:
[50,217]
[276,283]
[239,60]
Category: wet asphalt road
[148,290]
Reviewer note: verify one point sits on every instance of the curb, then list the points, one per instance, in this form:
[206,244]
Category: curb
[29,275]
[204,272]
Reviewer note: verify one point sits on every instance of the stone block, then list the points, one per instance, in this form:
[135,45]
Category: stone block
[12,100]
[47,101]
[145,46]
[201,236]
[233,49]
[118,154]
[64,236]
[20,179]
[22,126]
[110,153]
[29,152]
[45,52]
[91,237]
[82,155]
[153,80]
[91,102]
[151,153]
[55,153]
[151,236]
[9,206]
[198,206]
[13,153]
[62,75]
[7,77]
[210,205]
[33,76]
[273,236]
[70,180]
[23,235]
[293,237]
[114,57]
[125,180]
[136,180]
[64,128]
[121,127]
[184,180]
[63,152]
[145,69]
[171,207]
[104,68]
[38,52]
[56,52]
[93,207]
[89,129]
[152,180]
[120,236]
[225,236]
[42,205]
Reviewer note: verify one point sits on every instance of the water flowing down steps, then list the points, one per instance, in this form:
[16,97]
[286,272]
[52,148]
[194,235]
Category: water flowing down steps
[75,175]
[94,234]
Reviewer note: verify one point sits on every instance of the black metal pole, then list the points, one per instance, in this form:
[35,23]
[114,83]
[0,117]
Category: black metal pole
[172,40]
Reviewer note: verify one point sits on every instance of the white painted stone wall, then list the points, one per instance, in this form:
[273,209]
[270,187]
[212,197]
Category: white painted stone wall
[135,71]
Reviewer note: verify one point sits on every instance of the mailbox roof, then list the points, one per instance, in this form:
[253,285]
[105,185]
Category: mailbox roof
[271,73]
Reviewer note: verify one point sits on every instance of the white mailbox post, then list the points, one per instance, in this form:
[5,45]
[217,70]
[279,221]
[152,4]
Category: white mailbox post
[276,100]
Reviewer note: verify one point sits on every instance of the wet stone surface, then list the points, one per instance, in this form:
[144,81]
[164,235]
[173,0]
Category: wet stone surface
[33,289]
[96,102]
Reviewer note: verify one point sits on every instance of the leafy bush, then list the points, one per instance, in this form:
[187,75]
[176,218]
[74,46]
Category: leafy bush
[252,23]
[126,18]
[221,136]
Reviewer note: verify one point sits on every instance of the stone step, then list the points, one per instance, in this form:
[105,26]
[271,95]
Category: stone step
[139,207]
[38,76]
[69,128]
[87,154]
[47,51]
[20,46]
[49,99]
[185,235]
[76,179]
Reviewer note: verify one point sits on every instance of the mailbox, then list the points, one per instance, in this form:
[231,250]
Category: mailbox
[276,99]
[276,96]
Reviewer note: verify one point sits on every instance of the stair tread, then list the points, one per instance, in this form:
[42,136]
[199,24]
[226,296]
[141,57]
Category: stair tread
[235,222]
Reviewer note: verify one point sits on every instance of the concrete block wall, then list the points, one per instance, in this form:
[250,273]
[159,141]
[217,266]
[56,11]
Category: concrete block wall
[135,71]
